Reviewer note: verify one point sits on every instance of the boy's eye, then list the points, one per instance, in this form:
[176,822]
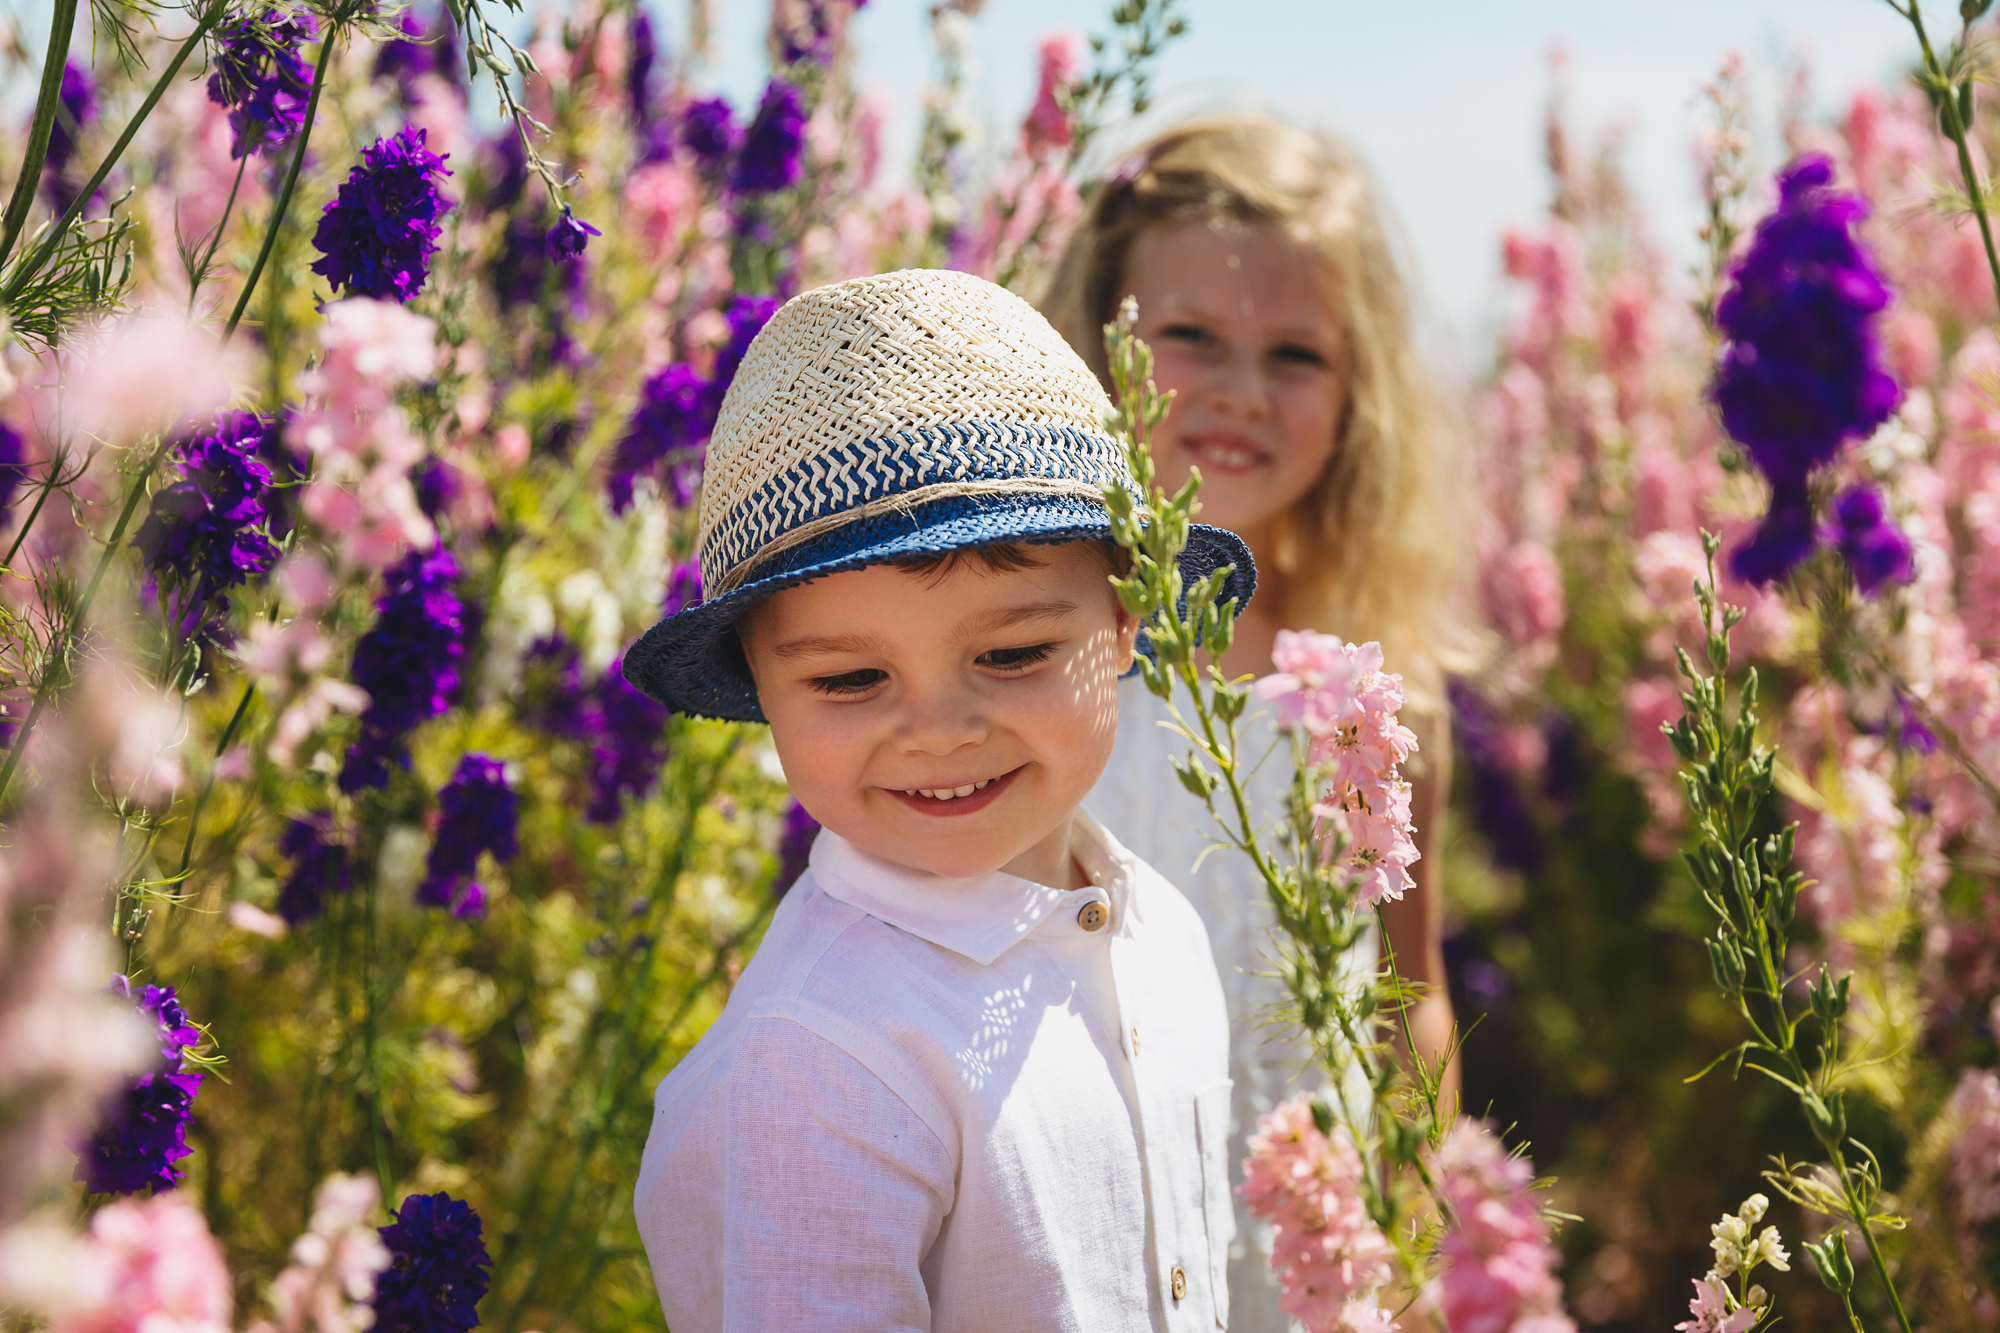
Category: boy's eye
[1013,659]
[850,682]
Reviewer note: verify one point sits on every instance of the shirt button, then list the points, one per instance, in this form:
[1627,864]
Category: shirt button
[1135,1041]
[1180,1283]
[1093,915]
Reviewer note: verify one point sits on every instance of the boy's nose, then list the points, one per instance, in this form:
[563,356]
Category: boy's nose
[940,721]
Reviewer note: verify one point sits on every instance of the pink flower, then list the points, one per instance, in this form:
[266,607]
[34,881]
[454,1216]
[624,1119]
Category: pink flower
[330,1284]
[149,373]
[1975,1154]
[1710,1308]
[1524,592]
[1499,1274]
[1048,126]
[1380,850]
[661,200]
[363,449]
[1329,1255]
[1650,703]
[162,1273]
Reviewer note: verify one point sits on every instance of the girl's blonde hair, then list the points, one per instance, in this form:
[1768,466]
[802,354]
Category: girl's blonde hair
[1373,550]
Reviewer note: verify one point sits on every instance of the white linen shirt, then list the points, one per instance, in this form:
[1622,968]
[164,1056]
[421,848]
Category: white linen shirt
[950,1104]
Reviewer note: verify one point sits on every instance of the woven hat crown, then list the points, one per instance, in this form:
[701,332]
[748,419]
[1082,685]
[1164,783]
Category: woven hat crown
[890,391]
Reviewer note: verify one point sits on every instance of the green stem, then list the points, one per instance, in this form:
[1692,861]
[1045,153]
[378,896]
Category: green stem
[612,1088]
[200,272]
[42,489]
[33,264]
[62,24]
[1955,130]
[61,647]
[201,800]
[371,1056]
[283,202]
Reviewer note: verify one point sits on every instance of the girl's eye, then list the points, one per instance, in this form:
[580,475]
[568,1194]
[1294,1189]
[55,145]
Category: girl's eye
[1298,354]
[850,682]
[1013,659]
[1194,335]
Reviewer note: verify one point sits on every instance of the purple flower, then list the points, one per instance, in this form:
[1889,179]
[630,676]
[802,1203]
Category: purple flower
[377,236]
[774,144]
[747,316]
[795,840]
[813,33]
[674,416]
[320,866]
[1802,372]
[261,79]
[505,172]
[569,236]
[708,129]
[1906,728]
[677,410]
[631,746]
[639,70]
[1782,540]
[145,1128]
[478,814]
[13,468]
[554,696]
[76,107]
[1876,549]
[683,587]
[421,50]
[208,532]
[436,1274]
[408,662]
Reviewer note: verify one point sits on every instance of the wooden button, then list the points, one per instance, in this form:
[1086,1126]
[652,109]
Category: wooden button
[1093,915]
[1135,1041]
[1180,1283]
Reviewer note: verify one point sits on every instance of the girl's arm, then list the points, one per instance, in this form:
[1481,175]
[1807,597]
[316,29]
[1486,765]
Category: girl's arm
[1416,923]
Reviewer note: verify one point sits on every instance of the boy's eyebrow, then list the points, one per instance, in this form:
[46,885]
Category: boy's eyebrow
[1020,615]
[819,645]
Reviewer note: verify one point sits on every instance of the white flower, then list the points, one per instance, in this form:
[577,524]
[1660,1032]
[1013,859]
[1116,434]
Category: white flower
[1769,1250]
[1753,1209]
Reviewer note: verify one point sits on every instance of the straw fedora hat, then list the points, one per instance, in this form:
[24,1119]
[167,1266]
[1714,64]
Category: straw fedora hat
[901,415]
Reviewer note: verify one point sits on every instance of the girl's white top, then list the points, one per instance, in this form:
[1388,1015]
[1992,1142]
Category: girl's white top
[953,1105]
[1141,800]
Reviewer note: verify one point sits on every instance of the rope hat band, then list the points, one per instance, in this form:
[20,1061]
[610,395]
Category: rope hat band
[905,414]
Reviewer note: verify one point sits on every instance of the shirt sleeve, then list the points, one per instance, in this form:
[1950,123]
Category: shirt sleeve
[835,1191]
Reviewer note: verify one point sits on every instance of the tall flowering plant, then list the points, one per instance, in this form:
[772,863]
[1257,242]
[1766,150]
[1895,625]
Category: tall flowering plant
[346,439]
[1343,1177]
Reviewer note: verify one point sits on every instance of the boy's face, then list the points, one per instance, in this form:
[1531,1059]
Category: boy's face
[882,684]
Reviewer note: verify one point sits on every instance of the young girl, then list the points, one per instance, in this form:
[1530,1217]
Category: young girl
[1270,295]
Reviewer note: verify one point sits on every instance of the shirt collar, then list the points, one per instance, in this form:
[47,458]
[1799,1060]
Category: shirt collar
[980,917]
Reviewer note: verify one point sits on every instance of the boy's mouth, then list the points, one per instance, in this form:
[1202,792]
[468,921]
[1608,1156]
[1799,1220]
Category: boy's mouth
[960,800]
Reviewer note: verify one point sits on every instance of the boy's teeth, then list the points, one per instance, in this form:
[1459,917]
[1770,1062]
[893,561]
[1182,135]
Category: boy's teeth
[947,793]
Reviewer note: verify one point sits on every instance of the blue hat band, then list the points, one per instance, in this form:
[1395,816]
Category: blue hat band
[857,480]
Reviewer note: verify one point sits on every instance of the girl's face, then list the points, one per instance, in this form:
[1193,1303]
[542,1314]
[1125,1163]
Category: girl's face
[1241,334]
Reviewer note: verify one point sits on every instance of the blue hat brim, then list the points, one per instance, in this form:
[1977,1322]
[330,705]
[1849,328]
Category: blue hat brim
[693,662]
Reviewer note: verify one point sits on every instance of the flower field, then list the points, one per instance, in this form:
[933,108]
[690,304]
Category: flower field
[353,407]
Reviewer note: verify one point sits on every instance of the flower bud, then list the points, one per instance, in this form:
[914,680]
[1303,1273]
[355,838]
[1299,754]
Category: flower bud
[1322,1117]
[1970,10]
[1827,1117]
[1831,1262]
[1754,1208]
[1726,960]
[1757,1298]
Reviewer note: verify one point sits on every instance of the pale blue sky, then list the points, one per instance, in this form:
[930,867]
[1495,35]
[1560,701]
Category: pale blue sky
[1445,98]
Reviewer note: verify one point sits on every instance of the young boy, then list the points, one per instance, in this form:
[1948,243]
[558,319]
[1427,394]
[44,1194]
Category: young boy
[977,1075]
